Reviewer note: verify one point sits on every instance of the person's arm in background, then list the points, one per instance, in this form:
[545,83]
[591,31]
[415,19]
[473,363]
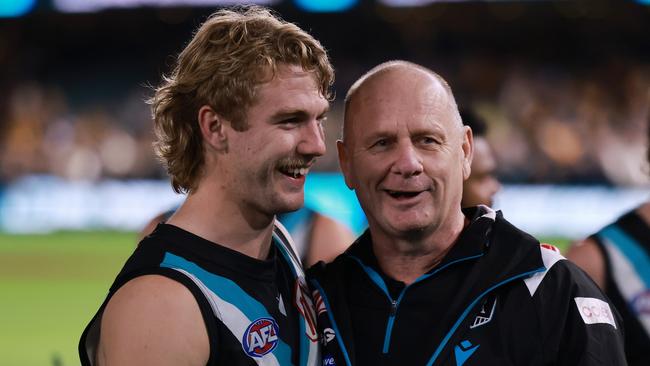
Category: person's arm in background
[329,238]
[588,257]
[151,225]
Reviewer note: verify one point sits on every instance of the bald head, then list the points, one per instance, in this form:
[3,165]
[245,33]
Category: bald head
[405,153]
[400,78]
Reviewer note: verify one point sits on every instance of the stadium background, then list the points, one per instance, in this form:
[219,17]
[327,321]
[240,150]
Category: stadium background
[564,86]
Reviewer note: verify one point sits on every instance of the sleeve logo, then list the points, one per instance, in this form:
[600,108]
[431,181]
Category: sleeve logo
[595,311]
[261,337]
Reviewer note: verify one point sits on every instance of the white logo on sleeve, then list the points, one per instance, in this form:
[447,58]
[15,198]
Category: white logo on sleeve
[594,311]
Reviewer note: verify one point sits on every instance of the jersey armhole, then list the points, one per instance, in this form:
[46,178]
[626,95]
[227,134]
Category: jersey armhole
[90,336]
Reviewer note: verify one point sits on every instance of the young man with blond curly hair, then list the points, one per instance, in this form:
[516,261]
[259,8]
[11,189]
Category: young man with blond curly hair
[238,126]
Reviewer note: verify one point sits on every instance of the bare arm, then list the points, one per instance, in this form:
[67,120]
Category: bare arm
[329,238]
[153,320]
[587,256]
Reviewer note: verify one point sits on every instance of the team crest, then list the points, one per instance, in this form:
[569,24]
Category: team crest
[306,308]
[320,304]
[486,313]
[261,337]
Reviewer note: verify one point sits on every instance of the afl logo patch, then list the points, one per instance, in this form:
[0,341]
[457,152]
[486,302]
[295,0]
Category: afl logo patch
[261,337]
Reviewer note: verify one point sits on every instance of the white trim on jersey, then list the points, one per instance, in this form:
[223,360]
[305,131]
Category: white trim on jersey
[489,212]
[231,316]
[313,357]
[627,279]
[549,257]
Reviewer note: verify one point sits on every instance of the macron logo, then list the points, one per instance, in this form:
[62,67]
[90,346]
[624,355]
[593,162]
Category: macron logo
[464,351]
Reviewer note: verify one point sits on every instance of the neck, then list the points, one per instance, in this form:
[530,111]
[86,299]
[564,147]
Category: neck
[407,258]
[212,215]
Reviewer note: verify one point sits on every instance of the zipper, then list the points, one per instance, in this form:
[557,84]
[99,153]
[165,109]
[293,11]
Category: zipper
[390,323]
[393,308]
[394,304]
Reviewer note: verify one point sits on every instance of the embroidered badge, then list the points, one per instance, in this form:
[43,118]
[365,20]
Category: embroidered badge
[261,337]
[306,308]
[486,313]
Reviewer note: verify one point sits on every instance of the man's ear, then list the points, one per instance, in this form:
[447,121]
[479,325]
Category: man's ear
[344,162]
[468,151]
[213,129]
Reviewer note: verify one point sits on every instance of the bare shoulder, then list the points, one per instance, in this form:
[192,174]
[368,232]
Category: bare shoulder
[153,320]
[586,255]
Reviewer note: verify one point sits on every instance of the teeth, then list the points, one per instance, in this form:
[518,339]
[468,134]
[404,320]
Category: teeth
[297,172]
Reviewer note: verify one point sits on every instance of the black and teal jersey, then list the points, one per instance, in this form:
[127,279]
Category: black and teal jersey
[498,298]
[256,312]
[625,246]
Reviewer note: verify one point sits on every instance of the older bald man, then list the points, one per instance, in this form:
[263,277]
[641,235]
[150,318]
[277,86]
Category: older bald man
[429,283]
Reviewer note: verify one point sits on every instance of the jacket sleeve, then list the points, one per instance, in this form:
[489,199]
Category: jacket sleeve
[578,324]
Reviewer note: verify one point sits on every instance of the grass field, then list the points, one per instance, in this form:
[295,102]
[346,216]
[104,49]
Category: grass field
[51,286]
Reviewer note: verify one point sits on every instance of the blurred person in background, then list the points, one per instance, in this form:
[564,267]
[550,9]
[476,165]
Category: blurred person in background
[238,126]
[316,237]
[618,259]
[429,283]
[482,184]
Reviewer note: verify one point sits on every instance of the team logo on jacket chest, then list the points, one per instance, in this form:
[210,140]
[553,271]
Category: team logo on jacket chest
[261,337]
[487,312]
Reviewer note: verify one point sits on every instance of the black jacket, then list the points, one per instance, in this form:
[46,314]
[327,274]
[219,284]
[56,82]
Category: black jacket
[497,298]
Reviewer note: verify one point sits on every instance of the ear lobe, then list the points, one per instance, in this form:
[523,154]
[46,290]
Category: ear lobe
[468,151]
[343,162]
[213,128]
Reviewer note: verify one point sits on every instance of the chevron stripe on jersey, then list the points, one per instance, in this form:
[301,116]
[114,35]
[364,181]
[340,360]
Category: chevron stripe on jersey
[630,267]
[232,305]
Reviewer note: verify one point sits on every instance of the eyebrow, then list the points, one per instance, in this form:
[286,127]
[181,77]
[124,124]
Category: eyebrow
[300,113]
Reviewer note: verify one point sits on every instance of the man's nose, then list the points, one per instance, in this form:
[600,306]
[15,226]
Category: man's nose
[408,161]
[312,139]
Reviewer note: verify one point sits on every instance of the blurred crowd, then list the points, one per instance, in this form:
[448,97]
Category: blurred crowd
[546,125]
[565,98]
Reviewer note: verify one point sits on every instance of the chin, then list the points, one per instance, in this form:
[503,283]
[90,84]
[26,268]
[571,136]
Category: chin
[290,205]
[409,228]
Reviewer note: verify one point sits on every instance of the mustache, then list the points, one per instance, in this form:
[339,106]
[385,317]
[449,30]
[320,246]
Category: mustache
[295,162]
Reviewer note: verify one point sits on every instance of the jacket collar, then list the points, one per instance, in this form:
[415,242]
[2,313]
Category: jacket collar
[489,236]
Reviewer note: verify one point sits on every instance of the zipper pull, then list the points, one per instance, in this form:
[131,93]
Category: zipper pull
[393,307]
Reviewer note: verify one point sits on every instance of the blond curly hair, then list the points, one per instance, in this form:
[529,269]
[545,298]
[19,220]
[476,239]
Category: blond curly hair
[232,52]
